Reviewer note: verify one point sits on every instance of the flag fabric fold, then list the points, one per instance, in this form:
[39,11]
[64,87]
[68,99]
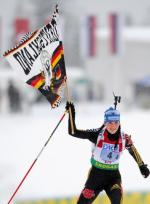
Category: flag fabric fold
[39,60]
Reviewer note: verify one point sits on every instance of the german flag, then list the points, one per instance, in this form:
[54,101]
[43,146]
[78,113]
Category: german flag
[37,81]
[48,78]
[58,73]
[57,56]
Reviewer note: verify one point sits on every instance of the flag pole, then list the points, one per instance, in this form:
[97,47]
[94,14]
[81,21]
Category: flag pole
[70,112]
[13,195]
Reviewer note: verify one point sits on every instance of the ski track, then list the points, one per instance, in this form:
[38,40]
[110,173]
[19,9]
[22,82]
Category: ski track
[62,168]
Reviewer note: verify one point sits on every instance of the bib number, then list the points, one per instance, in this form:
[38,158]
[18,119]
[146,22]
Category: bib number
[109,153]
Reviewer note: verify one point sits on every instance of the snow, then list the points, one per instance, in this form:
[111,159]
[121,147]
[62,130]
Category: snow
[62,168]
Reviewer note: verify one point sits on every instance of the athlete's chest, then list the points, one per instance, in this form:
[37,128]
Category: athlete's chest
[107,151]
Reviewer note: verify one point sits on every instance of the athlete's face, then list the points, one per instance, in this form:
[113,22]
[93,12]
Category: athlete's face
[112,127]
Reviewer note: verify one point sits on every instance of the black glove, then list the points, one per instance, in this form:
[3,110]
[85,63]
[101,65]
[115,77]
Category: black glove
[71,106]
[71,130]
[144,170]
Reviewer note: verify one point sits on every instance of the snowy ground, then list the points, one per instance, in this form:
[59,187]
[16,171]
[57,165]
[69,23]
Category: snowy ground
[62,168]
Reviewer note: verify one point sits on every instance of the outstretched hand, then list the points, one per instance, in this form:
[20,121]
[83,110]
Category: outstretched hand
[144,170]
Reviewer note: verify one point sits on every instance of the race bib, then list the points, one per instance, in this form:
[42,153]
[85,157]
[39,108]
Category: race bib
[109,153]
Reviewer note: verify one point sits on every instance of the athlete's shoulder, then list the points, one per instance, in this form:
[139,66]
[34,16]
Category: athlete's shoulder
[125,135]
[128,140]
[93,130]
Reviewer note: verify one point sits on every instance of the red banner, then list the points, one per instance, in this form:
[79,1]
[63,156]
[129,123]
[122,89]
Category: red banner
[88,36]
[115,22]
[21,28]
[92,35]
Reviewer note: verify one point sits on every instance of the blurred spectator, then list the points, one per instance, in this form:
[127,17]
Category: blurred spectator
[142,92]
[14,98]
[90,95]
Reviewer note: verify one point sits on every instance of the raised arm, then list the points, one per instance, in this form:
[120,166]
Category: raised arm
[135,154]
[83,134]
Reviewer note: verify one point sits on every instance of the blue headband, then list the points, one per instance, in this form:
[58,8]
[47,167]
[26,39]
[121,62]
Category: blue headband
[111,115]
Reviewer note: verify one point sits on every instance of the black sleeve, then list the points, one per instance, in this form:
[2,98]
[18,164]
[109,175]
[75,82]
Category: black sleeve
[87,134]
[133,151]
[83,134]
